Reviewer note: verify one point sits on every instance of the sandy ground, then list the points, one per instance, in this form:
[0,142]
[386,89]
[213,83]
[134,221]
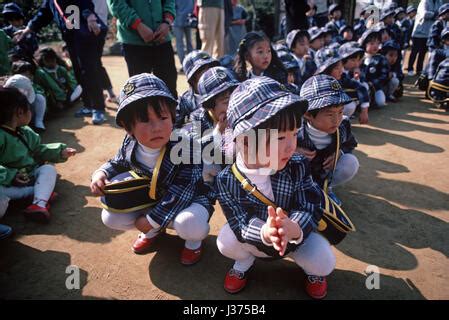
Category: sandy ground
[399,203]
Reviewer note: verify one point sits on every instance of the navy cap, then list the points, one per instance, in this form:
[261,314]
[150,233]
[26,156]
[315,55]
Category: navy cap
[368,33]
[445,33]
[398,11]
[315,33]
[390,45]
[333,7]
[280,47]
[410,9]
[292,36]
[386,13]
[323,91]
[349,49]
[443,9]
[288,60]
[12,8]
[195,60]
[327,57]
[227,61]
[140,86]
[344,28]
[258,99]
[215,81]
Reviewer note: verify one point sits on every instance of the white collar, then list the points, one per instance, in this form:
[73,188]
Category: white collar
[149,151]
[255,175]
[315,132]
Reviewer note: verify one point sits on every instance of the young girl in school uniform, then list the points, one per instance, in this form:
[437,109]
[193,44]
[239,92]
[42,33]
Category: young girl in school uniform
[147,113]
[272,207]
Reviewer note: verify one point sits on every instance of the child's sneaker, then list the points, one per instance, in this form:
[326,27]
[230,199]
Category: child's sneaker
[316,287]
[143,244]
[83,112]
[38,214]
[190,257]
[235,281]
[5,231]
[98,117]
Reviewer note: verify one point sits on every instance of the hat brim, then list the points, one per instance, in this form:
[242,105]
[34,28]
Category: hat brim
[139,95]
[326,65]
[267,111]
[352,53]
[339,98]
[217,90]
[207,62]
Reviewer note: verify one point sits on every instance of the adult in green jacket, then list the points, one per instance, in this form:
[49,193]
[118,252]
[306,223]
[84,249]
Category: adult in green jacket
[5,45]
[143,28]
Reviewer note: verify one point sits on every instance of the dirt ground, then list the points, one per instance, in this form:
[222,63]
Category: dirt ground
[399,202]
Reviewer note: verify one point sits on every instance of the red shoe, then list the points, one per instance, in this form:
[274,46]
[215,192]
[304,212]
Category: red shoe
[316,287]
[235,281]
[36,213]
[189,256]
[143,244]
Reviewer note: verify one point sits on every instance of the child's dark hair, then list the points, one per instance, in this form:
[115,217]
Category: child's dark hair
[315,112]
[48,53]
[210,104]
[138,111]
[285,120]
[371,37]
[248,41]
[11,100]
[355,55]
[20,67]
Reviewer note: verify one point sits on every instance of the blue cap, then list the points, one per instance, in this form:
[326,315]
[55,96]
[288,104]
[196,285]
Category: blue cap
[292,35]
[315,32]
[349,49]
[288,60]
[327,57]
[445,33]
[141,86]
[12,8]
[386,13]
[258,99]
[369,32]
[215,81]
[390,45]
[344,28]
[227,61]
[196,60]
[333,7]
[410,9]
[398,11]
[323,91]
[281,47]
[443,9]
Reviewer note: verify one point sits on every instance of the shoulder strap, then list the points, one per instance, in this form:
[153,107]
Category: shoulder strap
[155,176]
[337,155]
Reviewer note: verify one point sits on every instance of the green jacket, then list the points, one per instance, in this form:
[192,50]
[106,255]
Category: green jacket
[58,84]
[150,12]
[5,45]
[211,3]
[15,156]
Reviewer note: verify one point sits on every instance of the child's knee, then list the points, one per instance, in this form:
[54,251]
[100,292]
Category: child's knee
[117,221]
[317,257]
[379,96]
[349,164]
[349,109]
[192,223]
[49,170]
[228,245]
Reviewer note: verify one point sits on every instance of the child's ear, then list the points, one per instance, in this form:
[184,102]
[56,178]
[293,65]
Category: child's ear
[307,116]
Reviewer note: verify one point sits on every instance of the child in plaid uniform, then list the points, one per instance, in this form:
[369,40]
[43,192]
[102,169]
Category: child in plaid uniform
[392,51]
[434,41]
[323,123]
[298,42]
[316,40]
[256,229]
[336,22]
[194,65]
[147,113]
[255,49]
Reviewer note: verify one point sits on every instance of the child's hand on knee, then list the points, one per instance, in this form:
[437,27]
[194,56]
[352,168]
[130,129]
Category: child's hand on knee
[309,154]
[21,179]
[99,181]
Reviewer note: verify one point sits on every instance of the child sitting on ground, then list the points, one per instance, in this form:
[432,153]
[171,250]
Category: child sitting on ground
[316,40]
[24,171]
[298,43]
[392,51]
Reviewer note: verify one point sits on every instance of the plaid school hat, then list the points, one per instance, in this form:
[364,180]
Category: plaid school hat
[215,81]
[292,36]
[334,7]
[386,13]
[288,60]
[227,61]
[140,86]
[315,32]
[443,9]
[398,11]
[327,57]
[410,9]
[323,91]
[195,60]
[258,99]
[12,9]
[349,49]
[368,33]
[390,45]
[344,28]
[445,33]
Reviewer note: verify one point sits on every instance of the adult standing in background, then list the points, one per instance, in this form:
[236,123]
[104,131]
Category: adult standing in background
[211,24]
[84,45]
[143,28]
[237,30]
[425,16]
[181,28]
[296,15]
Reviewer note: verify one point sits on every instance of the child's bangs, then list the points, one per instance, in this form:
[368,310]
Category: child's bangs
[288,119]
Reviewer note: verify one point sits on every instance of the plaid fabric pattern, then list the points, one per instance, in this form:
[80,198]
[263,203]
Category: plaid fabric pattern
[215,81]
[359,28]
[292,35]
[349,48]
[315,32]
[326,57]
[323,91]
[256,100]
[288,61]
[376,71]
[360,91]
[293,190]
[347,144]
[195,60]
[141,86]
[186,105]
[410,9]
[281,47]
[386,13]
[177,187]
[366,34]
[435,37]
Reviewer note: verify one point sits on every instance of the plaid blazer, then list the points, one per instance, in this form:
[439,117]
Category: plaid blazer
[347,145]
[349,84]
[377,71]
[294,191]
[434,40]
[308,71]
[186,105]
[178,186]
